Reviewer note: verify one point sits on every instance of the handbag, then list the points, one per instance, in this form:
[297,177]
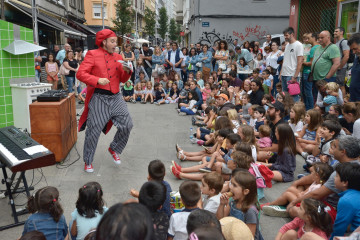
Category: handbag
[199,64]
[294,88]
[63,70]
[311,74]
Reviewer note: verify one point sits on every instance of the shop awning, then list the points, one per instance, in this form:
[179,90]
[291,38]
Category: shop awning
[82,26]
[50,21]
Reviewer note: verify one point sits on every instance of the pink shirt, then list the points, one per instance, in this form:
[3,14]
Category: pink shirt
[264,142]
[298,223]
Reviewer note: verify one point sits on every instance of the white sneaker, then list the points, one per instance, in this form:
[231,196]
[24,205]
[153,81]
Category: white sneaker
[275,211]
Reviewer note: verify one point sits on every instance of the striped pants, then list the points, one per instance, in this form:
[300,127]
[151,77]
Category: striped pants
[102,108]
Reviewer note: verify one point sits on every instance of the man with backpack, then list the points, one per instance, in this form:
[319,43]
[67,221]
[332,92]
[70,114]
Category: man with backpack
[345,53]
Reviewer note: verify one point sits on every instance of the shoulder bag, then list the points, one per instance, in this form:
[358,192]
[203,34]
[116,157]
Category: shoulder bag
[63,70]
[311,77]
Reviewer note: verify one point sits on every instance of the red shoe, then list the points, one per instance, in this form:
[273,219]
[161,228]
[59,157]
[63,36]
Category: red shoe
[265,204]
[177,166]
[200,142]
[115,156]
[89,168]
[175,172]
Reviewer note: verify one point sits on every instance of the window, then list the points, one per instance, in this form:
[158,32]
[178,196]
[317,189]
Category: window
[72,3]
[81,5]
[97,10]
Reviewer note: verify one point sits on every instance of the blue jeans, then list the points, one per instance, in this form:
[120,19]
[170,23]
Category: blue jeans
[307,89]
[187,111]
[37,76]
[71,82]
[184,75]
[276,80]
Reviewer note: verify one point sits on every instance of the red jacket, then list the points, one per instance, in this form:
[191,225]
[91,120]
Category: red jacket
[100,64]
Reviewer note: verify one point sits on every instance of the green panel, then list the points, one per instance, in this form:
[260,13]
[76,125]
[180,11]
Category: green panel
[31,71]
[30,62]
[2,91]
[9,109]
[5,54]
[8,100]
[23,72]
[15,72]
[5,43]
[7,91]
[11,27]
[1,81]
[6,82]
[14,62]
[4,24]
[4,35]
[2,110]
[29,36]
[9,118]
[2,102]
[6,72]
[2,118]
[6,63]
[2,124]
[22,61]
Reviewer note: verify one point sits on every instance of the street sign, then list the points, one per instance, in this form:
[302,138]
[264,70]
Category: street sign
[205,24]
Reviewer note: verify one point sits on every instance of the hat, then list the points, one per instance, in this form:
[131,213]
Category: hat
[235,229]
[224,96]
[277,105]
[102,35]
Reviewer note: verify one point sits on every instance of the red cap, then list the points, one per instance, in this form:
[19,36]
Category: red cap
[102,35]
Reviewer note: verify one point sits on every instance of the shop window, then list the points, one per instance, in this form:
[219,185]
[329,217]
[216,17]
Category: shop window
[97,10]
[349,15]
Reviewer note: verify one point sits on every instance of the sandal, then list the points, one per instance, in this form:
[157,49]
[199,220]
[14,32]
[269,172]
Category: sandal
[181,156]
[177,147]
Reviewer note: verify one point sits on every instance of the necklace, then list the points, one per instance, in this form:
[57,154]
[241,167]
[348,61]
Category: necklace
[303,228]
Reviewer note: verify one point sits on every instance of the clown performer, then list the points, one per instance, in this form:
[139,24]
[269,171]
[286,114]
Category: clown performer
[102,71]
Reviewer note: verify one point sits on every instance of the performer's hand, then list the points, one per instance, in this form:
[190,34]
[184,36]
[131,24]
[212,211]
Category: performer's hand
[103,81]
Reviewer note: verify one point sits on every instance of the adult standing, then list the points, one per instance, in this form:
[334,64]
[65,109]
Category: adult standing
[61,54]
[271,61]
[185,64]
[213,51]
[351,113]
[354,43]
[158,61]
[71,64]
[257,93]
[205,58]
[167,49]
[244,53]
[129,56]
[56,50]
[345,53]
[267,42]
[221,56]
[198,48]
[308,86]
[174,58]
[235,44]
[193,59]
[293,60]
[146,56]
[104,104]
[327,59]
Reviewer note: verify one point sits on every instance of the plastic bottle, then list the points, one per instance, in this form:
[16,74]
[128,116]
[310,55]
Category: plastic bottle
[191,134]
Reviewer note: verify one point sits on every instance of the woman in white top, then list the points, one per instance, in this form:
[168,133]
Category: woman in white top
[222,55]
[271,60]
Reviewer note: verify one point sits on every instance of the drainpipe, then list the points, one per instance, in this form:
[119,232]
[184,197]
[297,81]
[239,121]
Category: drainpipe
[35,23]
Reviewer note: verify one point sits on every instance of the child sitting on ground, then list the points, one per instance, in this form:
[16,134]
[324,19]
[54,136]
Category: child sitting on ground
[297,114]
[183,95]
[138,92]
[190,195]
[153,195]
[264,134]
[245,107]
[259,118]
[89,210]
[159,94]
[348,208]
[266,99]
[128,92]
[211,185]
[314,218]
[149,93]
[156,171]
[46,214]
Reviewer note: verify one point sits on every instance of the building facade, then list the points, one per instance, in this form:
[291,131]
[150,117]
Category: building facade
[212,20]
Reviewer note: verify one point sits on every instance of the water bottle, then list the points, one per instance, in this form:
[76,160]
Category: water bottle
[191,134]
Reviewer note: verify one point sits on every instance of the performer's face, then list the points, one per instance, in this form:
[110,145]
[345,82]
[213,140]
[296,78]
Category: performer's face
[110,44]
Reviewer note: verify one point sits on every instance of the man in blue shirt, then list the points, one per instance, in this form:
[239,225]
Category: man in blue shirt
[244,53]
[354,89]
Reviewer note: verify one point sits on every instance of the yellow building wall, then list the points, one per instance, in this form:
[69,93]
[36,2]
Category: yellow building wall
[111,13]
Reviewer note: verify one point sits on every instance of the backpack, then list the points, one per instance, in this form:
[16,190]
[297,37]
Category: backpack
[351,54]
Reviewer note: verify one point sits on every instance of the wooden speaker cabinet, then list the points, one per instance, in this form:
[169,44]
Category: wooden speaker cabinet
[53,124]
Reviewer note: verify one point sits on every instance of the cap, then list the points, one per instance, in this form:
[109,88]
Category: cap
[223,95]
[102,35]
[277,105]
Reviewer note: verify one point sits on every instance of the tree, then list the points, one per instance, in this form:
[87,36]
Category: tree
[163,22]
[178,30]
[124,17]
[150,21]
[172,30]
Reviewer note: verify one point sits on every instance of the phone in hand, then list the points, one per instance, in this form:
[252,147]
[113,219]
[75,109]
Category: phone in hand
[205,148]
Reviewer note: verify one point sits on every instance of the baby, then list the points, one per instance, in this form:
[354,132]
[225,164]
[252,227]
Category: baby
[264,133]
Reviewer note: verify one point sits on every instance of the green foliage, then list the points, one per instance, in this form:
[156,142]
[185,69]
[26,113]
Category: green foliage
[178,30]
[163,22]
[150,21]
[124,17]
[172,30]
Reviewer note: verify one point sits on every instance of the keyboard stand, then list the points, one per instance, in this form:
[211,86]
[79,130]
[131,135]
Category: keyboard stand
[10,191]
